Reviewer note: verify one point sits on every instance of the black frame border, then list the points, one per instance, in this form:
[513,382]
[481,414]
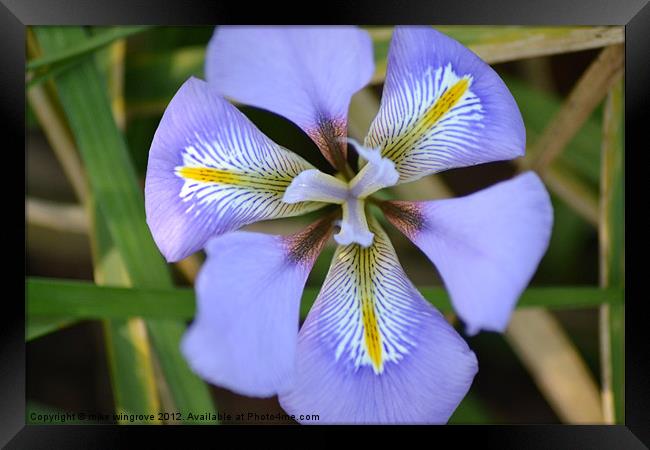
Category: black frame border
[15,15]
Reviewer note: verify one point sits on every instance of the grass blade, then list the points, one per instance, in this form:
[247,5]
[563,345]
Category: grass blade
[103,151]
[559,371]
[68,218]
[574,175]
[574,192]
[59,138]
[612,245]
[128,351]
[115,186]
[41,326]
[127,348]
[85,47]
[501,44]
[79,299]
[588,92]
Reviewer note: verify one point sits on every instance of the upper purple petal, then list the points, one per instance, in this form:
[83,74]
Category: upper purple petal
[306,73]
[442,107]
[211,170]
[486,246]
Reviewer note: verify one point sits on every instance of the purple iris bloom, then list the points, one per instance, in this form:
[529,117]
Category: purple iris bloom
[372,349]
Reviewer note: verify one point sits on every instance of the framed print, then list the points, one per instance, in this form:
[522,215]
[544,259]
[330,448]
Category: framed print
[375,216]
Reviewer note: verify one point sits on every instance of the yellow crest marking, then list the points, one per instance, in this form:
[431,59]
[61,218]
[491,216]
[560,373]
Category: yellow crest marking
[396,150]
[250,180]
[372,336]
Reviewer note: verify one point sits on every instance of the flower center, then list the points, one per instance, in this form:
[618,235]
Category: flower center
[314,185]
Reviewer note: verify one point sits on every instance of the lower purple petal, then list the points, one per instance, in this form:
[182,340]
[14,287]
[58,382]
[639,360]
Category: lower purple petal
[248,297]
[372,350]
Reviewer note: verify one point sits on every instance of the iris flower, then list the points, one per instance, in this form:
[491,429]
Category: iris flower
[372,349]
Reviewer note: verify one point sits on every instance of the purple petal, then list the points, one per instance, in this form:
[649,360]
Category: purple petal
[372,350]
[248,299]
[486,246]
[442,107]
[211,171]
[306,74]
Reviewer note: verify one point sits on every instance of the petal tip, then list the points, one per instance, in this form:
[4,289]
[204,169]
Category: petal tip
[474,327]
[166,245]
[171,256]
[190,346]
[291,194]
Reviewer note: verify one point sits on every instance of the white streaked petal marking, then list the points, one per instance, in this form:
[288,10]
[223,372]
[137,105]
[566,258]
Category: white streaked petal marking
[365,310]
[241,182]
[428,122]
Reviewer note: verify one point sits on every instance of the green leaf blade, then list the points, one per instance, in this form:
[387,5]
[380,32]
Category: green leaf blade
[85,46]
[77,299]
[119,197]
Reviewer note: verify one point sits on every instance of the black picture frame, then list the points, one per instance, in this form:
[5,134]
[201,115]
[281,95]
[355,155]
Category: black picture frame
[15,15]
